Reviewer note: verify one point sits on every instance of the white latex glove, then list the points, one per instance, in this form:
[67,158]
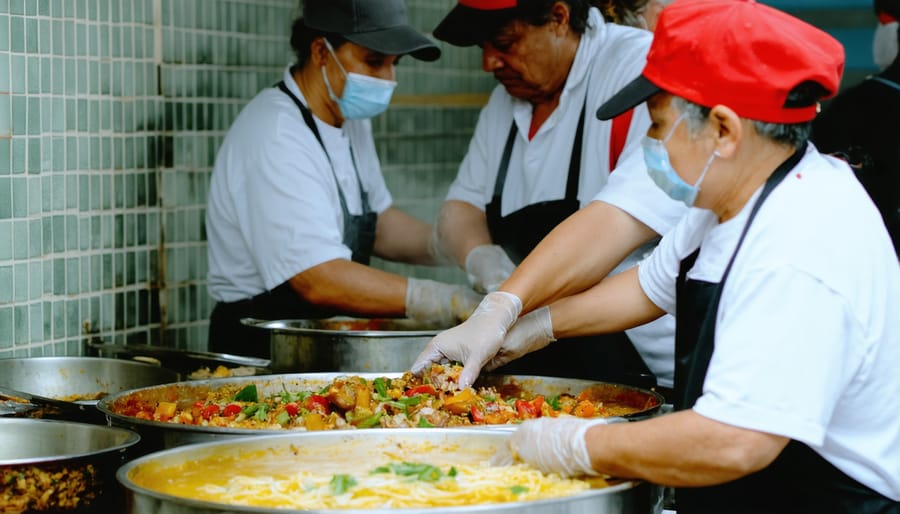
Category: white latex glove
[487,267]
[555,445]
[475,341]
[532,332]
[439,304]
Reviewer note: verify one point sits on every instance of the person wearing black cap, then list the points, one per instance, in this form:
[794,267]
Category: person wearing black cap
[298,204]
[536,158]
[784,284]
[860,124]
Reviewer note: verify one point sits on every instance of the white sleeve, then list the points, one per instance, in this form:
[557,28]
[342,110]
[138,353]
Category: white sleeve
[631,189]
[289,216]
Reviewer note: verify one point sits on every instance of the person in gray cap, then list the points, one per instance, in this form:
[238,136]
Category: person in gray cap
[298,204]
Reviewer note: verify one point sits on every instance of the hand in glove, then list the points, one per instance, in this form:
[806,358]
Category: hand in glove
[488,267]
[554,445]
[439,304]
[532,332]
[476,341]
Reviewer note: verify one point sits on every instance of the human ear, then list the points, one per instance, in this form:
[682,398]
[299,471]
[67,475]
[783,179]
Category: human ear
[728,130]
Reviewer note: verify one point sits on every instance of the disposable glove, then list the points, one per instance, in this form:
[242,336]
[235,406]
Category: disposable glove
[475,341]
[439,304]
[487,267]
[532,332]
[555,445]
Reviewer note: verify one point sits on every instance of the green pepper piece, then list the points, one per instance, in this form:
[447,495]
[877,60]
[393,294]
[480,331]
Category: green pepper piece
[554,402]
[283,418]
[261,413]
[381,469]
[518,489]
[250,410]
[423,423]
[452,472]
[247,394]
[381,387]
[371,421]
[340,483]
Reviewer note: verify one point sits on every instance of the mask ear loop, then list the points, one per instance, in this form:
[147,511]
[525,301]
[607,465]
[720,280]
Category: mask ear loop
[331,94]
[709,162]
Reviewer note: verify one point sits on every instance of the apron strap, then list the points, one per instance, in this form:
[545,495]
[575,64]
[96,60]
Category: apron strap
[572,181]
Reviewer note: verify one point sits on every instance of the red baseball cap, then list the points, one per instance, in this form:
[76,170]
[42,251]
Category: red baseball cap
[738,53]
[472,22]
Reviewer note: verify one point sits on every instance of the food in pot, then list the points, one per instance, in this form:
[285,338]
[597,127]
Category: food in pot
[410,475]
[221,372]
[354,402]
[48,487]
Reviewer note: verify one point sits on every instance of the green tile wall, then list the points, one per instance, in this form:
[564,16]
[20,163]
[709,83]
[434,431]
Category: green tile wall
[111,112]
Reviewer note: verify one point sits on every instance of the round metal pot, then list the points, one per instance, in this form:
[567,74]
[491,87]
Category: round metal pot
[465,445]
[81,380]
[60,466]
[344,344]
[157,435]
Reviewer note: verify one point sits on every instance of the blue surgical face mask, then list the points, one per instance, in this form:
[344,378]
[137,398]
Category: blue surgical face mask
[363,96]
[664,175]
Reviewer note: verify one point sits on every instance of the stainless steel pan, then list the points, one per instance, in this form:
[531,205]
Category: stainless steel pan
[344,343]
[159,435]
[466,445]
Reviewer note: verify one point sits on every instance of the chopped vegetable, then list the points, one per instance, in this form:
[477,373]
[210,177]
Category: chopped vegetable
[518,489]
[371,421]
[423,423]
[340,483]
[381,386]
[247,394]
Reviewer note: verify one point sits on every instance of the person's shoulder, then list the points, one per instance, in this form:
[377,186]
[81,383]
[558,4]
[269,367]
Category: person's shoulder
[620,41]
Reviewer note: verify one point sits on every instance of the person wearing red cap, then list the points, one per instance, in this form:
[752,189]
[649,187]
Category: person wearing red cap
[537,157]
[784,284]
[860,124]
[298,204]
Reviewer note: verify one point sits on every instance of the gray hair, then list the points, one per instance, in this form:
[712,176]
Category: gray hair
[696,116]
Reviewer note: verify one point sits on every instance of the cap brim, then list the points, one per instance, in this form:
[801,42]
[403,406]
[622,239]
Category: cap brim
[399,40]
[467,26]
[637,91]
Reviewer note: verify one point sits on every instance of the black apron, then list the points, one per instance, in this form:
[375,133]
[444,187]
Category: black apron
[799,480]
[226,332]
[609,357]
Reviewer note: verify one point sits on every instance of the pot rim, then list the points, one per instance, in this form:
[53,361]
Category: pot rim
[131,438]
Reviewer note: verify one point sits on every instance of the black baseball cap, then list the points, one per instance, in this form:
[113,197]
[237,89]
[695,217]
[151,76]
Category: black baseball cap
[380,25]
[472,22]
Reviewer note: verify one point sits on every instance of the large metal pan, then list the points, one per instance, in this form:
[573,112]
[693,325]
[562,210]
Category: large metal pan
[184,362]
[435,446]
[158,435]
[60,466]
[344,343]
[81,380]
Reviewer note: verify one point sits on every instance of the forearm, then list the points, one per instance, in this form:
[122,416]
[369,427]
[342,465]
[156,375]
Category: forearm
[680,449]
[461,227]
[577,254]
[613,305]
[352,288]
[400,237]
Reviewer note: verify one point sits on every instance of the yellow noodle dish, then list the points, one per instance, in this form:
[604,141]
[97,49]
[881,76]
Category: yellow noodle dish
[354,474]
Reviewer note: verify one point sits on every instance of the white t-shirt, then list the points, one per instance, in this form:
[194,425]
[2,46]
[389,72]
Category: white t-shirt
[608,57]
[274,209]
[807,341]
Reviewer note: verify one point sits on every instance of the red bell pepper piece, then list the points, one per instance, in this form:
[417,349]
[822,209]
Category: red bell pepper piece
[422,389]
[317,403]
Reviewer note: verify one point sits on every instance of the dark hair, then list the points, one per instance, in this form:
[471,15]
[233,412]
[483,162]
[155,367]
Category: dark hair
[303,36]
[623,12]
[537,13]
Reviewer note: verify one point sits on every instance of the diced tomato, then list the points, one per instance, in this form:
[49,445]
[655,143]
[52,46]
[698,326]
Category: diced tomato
[422,389]
[584,409]
[317,403]
[210,411]
[532,409]
[477,414]
[232,409]
[292,408]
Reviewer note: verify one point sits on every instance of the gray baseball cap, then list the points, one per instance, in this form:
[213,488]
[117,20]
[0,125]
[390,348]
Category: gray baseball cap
[380,25]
